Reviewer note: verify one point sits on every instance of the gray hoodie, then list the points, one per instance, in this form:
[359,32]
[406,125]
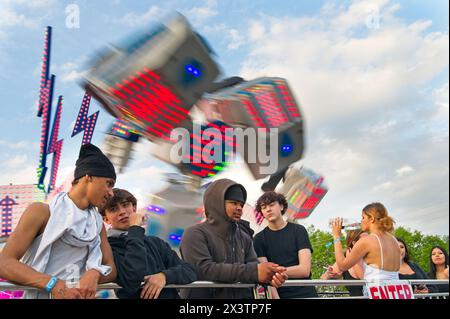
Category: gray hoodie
[220,249]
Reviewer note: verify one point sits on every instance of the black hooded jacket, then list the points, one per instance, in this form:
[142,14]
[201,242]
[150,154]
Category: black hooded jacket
[220,249]
[137,255]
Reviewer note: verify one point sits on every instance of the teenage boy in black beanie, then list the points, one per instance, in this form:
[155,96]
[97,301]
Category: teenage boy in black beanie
[65,241]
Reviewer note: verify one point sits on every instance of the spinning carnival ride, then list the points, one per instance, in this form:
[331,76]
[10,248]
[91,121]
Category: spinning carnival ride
[151,83]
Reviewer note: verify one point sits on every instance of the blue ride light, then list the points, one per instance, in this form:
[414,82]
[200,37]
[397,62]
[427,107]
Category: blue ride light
[156,209]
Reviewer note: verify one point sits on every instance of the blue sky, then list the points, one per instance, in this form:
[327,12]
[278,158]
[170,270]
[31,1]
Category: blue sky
[374,92]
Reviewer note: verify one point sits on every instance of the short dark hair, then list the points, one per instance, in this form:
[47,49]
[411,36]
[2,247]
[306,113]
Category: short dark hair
[120,196]
[270,197]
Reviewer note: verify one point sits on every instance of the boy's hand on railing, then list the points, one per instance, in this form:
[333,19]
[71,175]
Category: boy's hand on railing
[279,278]
[266,271]
[153,286]
[60,291]
[88,284]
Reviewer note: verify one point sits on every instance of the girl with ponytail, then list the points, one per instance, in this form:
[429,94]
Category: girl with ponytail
[380,250]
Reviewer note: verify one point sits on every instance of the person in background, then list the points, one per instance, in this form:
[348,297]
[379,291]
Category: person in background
[439,266]
[285,244]
[409,270]
[356,272]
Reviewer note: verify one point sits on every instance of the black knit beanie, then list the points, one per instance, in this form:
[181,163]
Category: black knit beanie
[93,162]
[236,192]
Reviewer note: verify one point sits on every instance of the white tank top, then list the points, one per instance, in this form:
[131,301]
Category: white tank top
[65,260]
[69,245]
[373,274]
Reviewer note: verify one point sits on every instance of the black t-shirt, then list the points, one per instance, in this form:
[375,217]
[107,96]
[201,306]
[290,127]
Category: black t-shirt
[281,247]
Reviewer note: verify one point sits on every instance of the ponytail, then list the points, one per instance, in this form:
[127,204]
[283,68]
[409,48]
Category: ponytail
[387,224]
[380,215]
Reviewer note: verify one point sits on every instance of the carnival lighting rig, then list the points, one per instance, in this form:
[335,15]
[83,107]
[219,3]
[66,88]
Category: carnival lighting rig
[151,83]
[52,145]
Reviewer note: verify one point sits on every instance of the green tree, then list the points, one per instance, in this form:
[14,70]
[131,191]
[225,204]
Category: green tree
[323,256]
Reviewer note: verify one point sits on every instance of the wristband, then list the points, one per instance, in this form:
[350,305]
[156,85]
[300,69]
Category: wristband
[51,283]
[332,242]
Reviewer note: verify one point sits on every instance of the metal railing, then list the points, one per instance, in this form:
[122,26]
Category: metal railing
[6,286]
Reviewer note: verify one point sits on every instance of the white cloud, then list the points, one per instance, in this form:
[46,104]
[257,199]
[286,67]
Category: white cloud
[365,96]
[35,4]
[381,127]
[441,98]
[16,161]
[21,145]
[342,166]
[360,73]
[133,19]
[211,29]
[68,66]
[237,39]
[384,186]
[19,175]
[256,31]
[72,76]
[429,218]
[208,10]
[9,16]
[17,15]
[41,4]
[327,140]
[404,170]
[65,177]
[365,12]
